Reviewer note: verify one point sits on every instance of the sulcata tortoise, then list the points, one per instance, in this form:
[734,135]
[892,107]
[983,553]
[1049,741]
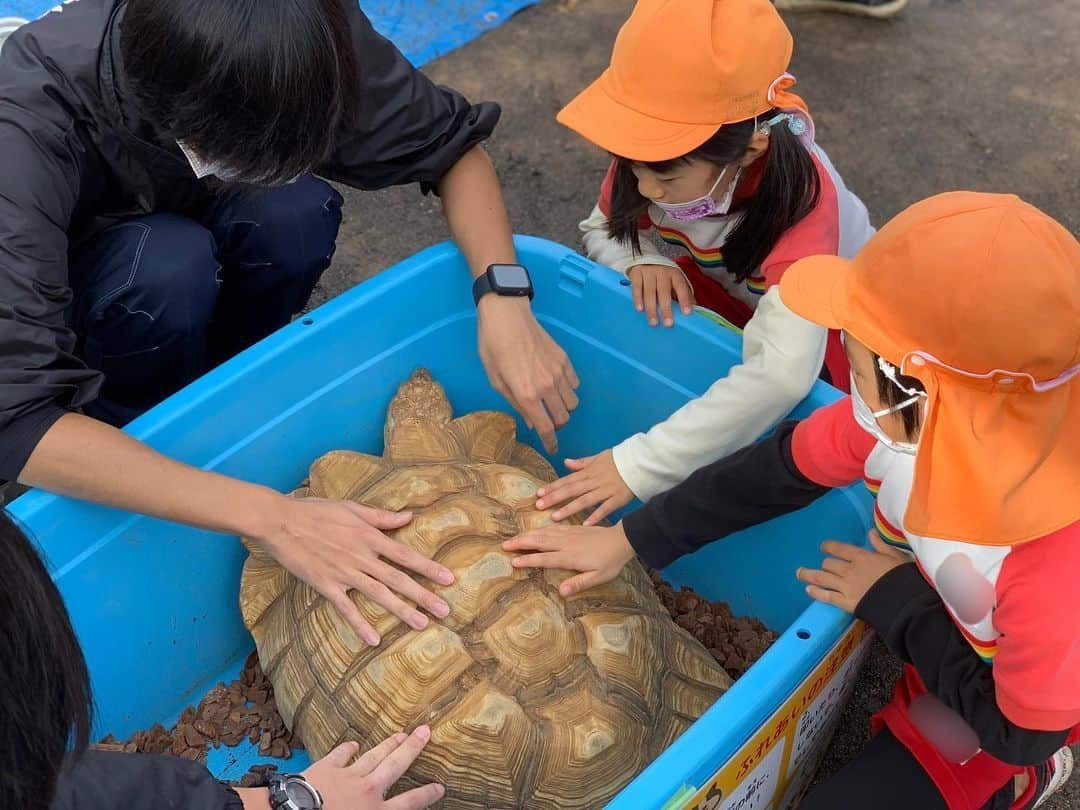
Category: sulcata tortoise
[534,701]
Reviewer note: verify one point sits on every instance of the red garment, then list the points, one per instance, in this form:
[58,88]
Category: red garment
[1036,668]
[964,787]
[711,294]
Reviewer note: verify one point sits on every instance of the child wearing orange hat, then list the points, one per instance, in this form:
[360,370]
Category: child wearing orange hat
[964,420]
[714,154]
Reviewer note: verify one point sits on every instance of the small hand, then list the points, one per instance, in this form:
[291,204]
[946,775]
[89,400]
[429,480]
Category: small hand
[850,571]
[599,552]
[526,366]
[656,285]
[337,546]
[364,784]
[594,480]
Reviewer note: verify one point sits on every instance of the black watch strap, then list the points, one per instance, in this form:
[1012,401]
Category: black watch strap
[481,287]
[515,282]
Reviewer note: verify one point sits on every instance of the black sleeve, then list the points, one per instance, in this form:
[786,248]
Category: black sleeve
[407,129]
[754,485]
[910,616]
[110,780]
[40,375]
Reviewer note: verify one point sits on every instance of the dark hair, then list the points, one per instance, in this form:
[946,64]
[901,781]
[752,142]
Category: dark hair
[44,687]
[788,191]
[263,86]
[891,394]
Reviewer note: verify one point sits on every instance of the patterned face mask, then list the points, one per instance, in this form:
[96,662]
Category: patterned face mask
[703,206]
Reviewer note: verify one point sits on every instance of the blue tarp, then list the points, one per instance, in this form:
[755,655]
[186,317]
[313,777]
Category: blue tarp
[422,29]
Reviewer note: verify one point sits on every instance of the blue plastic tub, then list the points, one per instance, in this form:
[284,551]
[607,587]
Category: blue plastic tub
[155,604]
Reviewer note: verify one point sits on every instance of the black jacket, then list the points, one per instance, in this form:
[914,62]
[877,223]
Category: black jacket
[107,780]
[75,156]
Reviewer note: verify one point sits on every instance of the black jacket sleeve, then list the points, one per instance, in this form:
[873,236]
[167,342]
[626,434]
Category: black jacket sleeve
[407,128]
[40,376]
[754,485]
[110,780]
[910,616]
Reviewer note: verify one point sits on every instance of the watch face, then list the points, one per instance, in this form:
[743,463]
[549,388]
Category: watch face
[509,277]
[301,795]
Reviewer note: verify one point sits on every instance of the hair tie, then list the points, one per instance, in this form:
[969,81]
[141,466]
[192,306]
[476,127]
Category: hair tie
[795,124]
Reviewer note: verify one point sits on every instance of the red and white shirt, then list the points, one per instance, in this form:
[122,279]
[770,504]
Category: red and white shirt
[782,353]
[1027,632]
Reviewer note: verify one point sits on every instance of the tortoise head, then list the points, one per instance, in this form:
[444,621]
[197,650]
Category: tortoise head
[419,400]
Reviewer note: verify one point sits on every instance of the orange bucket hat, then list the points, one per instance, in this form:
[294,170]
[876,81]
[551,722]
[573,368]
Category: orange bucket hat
[681,69]
[978,297]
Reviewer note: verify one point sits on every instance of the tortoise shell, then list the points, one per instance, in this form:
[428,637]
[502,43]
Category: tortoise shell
[534,701]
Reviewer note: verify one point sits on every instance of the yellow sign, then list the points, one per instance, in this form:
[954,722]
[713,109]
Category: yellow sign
[772,770]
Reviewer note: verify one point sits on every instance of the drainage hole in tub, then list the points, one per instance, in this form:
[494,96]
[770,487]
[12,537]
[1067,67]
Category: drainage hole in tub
[308,322]
[803,634]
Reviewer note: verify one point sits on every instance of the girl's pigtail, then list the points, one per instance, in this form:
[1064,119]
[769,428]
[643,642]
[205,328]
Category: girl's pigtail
[627,206]
[789,190]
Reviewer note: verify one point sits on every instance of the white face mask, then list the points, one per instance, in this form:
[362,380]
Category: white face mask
[705,206]
[868,418]
[205,168]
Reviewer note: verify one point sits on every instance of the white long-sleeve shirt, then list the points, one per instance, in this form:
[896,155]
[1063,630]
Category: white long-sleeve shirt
[782,353]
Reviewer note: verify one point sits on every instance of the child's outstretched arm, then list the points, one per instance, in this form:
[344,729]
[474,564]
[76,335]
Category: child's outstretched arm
[756,484]
[782,356]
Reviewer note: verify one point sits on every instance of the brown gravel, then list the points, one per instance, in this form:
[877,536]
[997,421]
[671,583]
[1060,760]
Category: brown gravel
[228,714]
[736,642]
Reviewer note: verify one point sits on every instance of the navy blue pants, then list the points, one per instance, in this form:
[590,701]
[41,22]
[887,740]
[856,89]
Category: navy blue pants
[161,299]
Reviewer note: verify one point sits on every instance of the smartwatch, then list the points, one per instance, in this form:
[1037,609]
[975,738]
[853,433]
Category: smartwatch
[503,279]
[293,792]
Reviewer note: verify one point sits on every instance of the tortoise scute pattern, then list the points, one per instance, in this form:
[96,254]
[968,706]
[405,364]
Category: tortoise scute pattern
[535,701]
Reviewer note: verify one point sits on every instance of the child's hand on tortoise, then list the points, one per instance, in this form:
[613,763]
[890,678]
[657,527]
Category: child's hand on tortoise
[656,285]
[594,480]
[849,572]
[599,553]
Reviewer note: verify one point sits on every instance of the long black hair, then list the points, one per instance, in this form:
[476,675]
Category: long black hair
[44,687]
[891,395]
[788,191]
[265,87]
